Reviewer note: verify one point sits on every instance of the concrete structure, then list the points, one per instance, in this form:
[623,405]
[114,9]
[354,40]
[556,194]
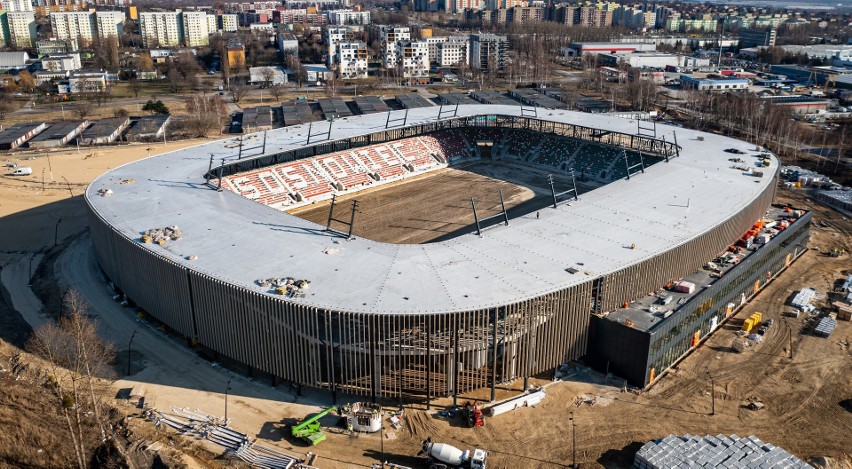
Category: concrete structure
[21,29]
[195,29]
[380,312]
[11,60]
[488,51]
[17,5]
[62,63]
[757,37]
[148,128]
[16,135]
[58,134]
[413,58]
[73,25]
[236,52]
[105,130]
[582,48]
[57,47]
[348,17]
[390,37]
[161,29]
[690,82]
[228,23]
[652,60]
[452,52]
[333,37]
[288,43]
[109,23]
[268,75]
[800,104]
[317,73]
[87,80]
[352,60]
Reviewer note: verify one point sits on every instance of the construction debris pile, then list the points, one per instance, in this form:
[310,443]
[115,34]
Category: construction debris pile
[718,451]
[287,286]
[198,424]
[127,181]
[104,192]
[161,235]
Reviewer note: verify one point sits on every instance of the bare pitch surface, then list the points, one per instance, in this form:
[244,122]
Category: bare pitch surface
[434,205]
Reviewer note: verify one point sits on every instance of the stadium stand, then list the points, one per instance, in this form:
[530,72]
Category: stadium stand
[521,145]
[592,160]
[313,179]
[448,143]
[556,152]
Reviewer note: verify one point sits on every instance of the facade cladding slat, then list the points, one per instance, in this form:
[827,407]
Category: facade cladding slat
[636,355]
[634,281]
[389,355]
[163,287]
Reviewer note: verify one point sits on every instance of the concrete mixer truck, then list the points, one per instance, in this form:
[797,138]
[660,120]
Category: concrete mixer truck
[444,456]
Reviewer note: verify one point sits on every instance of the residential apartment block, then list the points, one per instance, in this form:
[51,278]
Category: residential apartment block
[161,29]
[74,25]
[352,59]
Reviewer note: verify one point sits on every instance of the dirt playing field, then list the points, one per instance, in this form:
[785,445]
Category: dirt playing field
[436,204]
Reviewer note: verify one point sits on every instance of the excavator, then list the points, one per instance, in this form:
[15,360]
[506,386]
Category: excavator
[309,430]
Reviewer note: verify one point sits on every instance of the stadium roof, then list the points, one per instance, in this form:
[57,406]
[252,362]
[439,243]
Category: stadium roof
[239,241]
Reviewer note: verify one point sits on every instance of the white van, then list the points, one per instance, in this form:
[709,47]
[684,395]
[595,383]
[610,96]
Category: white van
[22,171]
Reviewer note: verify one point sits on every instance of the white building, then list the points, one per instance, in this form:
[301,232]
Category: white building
[390,38]
[17,5]
[453,52]
[62,63]
[288,43]
[333,37]
[413,57]
[347,17]
[73,24]
[110,23]
[161,28]
[22,29]
[267,75]
[352,60]
[212,24]
[195,32]
[229,23]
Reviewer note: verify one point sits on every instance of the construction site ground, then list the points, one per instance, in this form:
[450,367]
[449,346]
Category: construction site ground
[807,397]
[437,205]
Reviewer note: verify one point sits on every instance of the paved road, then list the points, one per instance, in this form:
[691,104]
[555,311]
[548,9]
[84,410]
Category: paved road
[170,372]
[15,278]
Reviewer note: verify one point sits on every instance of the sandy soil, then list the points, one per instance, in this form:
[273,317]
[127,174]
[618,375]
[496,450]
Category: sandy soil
[443,206]
[30,206]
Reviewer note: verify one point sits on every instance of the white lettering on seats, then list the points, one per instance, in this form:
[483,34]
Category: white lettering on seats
[242,186]
[333,166]
[272,182]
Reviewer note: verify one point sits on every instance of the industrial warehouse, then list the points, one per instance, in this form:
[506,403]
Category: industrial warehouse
[210,253]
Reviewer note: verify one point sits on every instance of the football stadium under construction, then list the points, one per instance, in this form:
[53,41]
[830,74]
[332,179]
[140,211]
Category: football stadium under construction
[679,233]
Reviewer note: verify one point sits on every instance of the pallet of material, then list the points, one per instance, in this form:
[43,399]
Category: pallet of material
[527,400]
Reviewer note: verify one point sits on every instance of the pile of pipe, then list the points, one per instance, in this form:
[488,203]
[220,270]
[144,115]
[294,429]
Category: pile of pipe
[161,235]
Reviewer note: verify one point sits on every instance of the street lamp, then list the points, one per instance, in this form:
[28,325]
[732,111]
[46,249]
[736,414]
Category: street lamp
[573,440]
[227,388]
[130,344]
[712,394]
[56,233]
[30,271]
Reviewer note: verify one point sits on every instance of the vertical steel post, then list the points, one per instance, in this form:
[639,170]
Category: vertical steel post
[494,356]
[352,218]
[574,183]
[475,216]
[503,205]
[552,189]
[221,169]
[330,212]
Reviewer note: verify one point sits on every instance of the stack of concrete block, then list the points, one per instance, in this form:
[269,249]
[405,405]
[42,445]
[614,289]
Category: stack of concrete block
[720,451]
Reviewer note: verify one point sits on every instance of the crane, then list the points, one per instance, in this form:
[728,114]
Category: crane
[309,428]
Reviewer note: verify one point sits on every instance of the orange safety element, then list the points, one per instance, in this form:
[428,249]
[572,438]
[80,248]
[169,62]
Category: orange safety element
[653,374]
[756,285]
[696,338]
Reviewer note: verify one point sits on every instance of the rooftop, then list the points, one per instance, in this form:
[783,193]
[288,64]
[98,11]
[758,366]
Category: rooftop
[649,312]
[235,238]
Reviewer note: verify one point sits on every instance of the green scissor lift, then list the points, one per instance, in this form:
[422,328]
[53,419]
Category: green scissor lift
[309,429]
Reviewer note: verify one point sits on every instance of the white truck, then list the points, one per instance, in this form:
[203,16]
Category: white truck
[444,456]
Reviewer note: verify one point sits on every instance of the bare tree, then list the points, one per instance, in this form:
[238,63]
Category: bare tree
[238,92]
[206,113]
[277,90]
[80,368]
[83,110]
[268,74]
[135,86]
